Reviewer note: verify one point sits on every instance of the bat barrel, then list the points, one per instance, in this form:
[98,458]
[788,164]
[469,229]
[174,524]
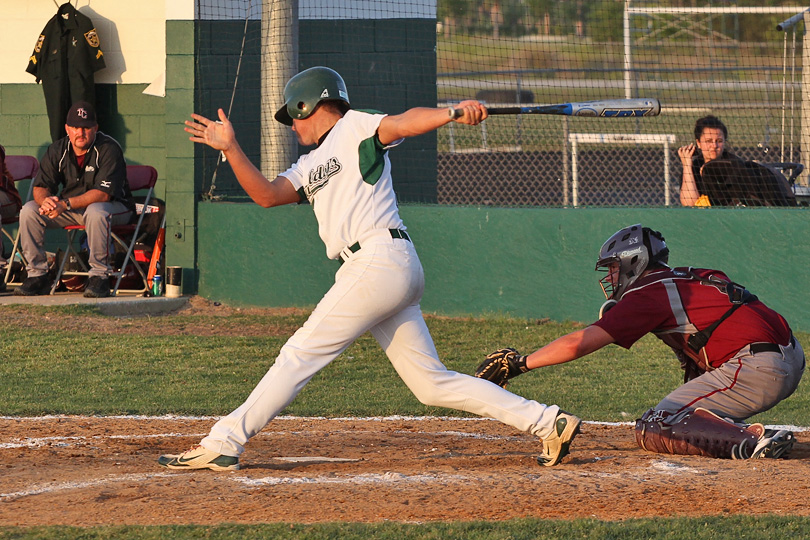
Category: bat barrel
[610,108]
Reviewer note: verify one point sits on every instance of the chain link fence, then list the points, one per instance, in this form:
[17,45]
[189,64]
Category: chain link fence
[623,169]
[697,61]
[591,162]
[741,62]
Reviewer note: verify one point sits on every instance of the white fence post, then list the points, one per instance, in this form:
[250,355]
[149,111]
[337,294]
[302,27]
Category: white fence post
[619,138]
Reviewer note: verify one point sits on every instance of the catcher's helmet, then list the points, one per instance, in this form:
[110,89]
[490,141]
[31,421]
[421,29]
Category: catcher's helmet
[307,89]
[635,248]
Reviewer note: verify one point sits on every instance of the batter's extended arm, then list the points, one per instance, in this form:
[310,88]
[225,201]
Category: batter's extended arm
[420,120]
[220,136]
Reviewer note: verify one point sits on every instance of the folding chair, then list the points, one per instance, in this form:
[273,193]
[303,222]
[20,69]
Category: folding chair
[21,168]
[140,177]
[775,181]
[790,170]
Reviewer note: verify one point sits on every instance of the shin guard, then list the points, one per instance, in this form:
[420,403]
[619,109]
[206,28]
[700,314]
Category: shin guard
[697,433]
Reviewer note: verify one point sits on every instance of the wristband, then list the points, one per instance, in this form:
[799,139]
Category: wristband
[520,363]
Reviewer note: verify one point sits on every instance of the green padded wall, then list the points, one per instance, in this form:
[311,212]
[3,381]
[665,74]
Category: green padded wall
[529,262]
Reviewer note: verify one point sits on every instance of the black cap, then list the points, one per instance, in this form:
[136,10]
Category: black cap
[81,114]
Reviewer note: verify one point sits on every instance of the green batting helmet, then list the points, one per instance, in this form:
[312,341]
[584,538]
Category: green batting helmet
[304,91]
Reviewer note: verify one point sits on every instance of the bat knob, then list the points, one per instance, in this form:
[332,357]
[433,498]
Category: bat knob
[454,113]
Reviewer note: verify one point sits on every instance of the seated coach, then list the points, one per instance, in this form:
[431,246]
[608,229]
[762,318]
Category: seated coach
[82,180]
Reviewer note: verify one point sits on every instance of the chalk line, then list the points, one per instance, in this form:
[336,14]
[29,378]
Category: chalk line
[391,418]
[63,486]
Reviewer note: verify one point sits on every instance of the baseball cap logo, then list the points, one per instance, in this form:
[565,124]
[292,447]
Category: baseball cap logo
[81,114]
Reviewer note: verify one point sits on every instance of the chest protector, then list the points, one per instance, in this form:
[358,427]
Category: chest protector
[685,339]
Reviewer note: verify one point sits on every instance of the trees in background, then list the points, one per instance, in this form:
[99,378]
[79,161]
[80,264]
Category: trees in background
[598,20]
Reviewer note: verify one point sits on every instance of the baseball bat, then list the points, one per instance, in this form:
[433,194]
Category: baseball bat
[156,251]
[608,108]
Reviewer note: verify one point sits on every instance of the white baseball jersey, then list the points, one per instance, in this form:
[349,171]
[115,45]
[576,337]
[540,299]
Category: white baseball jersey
[347,179]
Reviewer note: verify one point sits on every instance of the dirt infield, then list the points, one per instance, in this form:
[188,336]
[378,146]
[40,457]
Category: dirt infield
[92,471]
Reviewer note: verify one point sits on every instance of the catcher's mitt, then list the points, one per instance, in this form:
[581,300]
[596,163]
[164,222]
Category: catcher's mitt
[502,365]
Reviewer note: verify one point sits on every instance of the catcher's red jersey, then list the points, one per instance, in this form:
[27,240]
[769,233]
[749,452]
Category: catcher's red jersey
[672,305]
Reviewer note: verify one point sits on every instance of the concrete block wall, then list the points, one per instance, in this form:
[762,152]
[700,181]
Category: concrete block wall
[388,65]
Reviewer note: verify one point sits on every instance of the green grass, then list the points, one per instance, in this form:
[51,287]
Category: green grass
[134,368]
[54,362]
[716,528]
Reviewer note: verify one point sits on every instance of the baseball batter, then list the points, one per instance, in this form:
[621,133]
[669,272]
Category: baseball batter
[347,179]
[739,356]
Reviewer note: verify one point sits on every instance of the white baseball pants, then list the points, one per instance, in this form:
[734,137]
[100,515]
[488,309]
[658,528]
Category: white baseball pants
[377,289]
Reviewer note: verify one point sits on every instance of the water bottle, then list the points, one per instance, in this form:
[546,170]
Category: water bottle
[156,286]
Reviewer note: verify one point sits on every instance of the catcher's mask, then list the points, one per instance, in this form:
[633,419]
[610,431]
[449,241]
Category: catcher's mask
[634,249]
[305,91]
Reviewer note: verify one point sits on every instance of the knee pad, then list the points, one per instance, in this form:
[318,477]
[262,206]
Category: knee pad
[696,433]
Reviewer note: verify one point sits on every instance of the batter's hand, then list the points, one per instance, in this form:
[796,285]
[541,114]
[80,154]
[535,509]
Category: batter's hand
[218,135]
[502,365]
[473,112]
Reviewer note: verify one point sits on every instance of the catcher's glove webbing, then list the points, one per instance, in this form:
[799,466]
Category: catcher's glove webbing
[501,366]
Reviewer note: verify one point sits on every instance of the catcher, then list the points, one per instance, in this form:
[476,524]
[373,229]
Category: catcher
[739,356]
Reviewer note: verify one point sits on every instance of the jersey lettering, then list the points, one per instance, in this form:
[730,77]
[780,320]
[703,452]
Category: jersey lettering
[320,175]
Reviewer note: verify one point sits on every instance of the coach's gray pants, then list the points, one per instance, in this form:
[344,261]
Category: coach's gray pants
[96,218]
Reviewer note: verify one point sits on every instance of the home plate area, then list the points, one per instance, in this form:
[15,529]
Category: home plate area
[85,471]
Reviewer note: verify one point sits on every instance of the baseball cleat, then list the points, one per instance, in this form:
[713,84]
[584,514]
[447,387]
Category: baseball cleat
[199,458]
[555,447]
[774,445]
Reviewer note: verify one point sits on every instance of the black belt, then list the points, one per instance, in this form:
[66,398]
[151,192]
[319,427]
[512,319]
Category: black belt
[757,348]
[395,233]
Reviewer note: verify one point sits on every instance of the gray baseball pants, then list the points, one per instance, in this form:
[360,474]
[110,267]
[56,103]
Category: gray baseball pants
[745,385]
